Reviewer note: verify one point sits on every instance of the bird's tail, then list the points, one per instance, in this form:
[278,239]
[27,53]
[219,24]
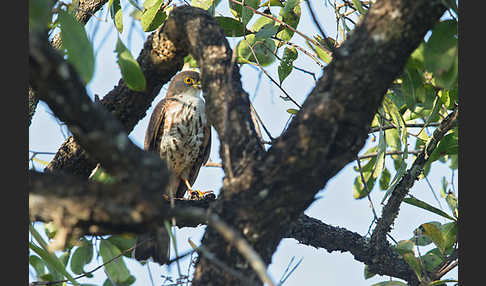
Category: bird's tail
[155,245]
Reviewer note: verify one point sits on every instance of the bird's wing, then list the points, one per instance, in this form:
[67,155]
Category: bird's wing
[203,155]
[153,133]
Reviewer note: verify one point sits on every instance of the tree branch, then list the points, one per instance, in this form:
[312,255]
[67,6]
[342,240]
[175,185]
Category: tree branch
[391,209]
[159,60]
[58,84]
[325,135]
[383,260]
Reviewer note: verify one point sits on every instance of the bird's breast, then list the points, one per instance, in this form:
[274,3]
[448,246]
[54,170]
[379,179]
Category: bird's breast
[184,131]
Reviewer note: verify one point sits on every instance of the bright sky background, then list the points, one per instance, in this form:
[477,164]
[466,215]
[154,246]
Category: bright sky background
[335,205]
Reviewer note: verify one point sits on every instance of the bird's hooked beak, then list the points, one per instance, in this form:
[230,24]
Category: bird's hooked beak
[197,85]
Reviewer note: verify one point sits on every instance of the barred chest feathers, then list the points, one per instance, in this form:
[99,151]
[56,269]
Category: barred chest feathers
[184,130]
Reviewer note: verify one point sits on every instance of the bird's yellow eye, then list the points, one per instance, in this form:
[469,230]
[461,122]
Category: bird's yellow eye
[188,80]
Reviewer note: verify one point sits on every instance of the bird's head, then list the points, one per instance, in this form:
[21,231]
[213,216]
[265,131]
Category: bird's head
[185,82]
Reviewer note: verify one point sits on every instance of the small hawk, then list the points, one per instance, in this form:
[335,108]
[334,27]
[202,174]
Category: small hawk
[179,131]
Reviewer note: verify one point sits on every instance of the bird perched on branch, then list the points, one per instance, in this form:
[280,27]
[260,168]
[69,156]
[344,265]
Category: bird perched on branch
[179,132]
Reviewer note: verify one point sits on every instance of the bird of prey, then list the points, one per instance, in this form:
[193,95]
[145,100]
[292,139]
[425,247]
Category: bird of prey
[179,132]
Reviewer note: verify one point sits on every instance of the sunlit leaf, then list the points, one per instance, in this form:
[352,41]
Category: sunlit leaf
[286,65]
[117,15]
[130,69]
[245,14]
[289,14]
[263,49]
[434,233]
[441,53]
[153,17]
[449,233]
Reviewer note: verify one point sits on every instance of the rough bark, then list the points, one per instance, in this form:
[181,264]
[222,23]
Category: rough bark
[325,136]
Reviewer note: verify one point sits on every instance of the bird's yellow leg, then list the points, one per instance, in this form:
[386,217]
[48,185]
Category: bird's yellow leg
[195,193]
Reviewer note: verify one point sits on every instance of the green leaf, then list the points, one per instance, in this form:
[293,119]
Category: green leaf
[359,190]
[38,265]
[432,259]
[245,14]
[434,233]
[231,26]
[115,269]
[39,14]
[449,233]
[153,17]
[81,256]
[289,14]
[79,49]
[192,62]
[448,145]
[367,274]
[50,229]
[441,53]
[390,283]
[100,175]
[52,261]
[127,282]
[117,15]
[286,65]
[404,246]
[150,3]
[405,249]
[426,206]
[442,282]
[262,49]
[420,238]
[130,69]
[124,242]
[412,87]
[208,5]
[357,4]
[398,175]
[385,179]
[267,31]
[321,54]
[292,111]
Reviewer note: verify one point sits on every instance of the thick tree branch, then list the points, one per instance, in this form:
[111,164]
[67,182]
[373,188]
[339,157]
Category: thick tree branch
[86,9]
[383,260]
[58,84]
[326,134]
[159,60]
[95,208]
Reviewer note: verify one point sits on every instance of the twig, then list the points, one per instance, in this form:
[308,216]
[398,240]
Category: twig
[280,22]
[253,111]
[413,125]
[266,73]
[314,57]
[371,155]
[316,22]
[375,216]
